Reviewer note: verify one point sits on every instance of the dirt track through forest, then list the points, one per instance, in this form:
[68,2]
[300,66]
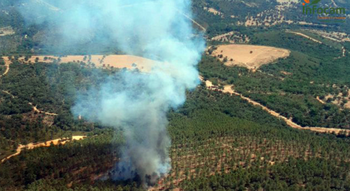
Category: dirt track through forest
[30,146]
[40,111]
[7,64]
[305,36]
[228,89]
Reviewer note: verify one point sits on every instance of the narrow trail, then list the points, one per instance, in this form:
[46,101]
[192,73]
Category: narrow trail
[320,100]
[7,65]
[8,93]
[195,22]
[35,109]
[305,36]
[228,89]
[40,111]
[30,146]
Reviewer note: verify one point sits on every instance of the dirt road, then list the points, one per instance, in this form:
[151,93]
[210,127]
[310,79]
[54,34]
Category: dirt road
[228,89]
[7,65]
[305,36]
[40,111]
[29,146]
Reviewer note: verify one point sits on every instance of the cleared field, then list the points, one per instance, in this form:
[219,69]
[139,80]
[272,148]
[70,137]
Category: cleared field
[115,61]
[249,56]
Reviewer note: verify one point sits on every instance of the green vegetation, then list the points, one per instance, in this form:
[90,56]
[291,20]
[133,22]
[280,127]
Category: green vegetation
[219,142]
[209,124]
[290,86]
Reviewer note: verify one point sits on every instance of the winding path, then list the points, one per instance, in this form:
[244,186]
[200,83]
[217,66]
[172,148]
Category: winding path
[30,146]
[305,36]
[7,65]
[228,89]
[40,111]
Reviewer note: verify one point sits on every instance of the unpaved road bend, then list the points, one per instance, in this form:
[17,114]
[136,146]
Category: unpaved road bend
[228,89]
[30,146]
[7,65]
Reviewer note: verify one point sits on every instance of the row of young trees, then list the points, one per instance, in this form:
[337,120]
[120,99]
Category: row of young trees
[216,138]
[213,135]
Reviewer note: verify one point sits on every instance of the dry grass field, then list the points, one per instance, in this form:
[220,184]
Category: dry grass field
[249,56]
[113,61]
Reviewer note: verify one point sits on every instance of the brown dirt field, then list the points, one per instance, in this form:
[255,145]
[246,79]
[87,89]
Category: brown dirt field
[29,146]
[116,61]
[249,56]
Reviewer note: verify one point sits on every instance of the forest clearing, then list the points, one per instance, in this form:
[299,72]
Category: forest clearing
[249,56]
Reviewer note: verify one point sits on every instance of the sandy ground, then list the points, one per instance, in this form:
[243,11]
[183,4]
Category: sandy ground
[116,61]
[228,89]
[249,56]
[29,146]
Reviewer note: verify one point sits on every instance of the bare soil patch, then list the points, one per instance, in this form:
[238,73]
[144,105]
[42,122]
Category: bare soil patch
[249,56]
[212,10]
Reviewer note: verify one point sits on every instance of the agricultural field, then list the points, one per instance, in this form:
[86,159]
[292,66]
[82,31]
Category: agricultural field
[248,56]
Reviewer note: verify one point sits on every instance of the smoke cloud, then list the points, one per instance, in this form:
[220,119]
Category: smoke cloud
[135,101]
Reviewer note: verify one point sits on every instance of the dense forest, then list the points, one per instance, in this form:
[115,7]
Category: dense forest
[209,136]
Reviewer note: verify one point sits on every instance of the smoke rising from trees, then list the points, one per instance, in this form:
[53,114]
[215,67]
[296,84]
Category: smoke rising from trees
[134,101]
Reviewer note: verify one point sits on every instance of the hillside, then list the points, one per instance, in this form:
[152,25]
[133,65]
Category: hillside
[268,108]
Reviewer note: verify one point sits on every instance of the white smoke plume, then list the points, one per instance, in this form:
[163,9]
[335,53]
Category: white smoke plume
[134,101]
